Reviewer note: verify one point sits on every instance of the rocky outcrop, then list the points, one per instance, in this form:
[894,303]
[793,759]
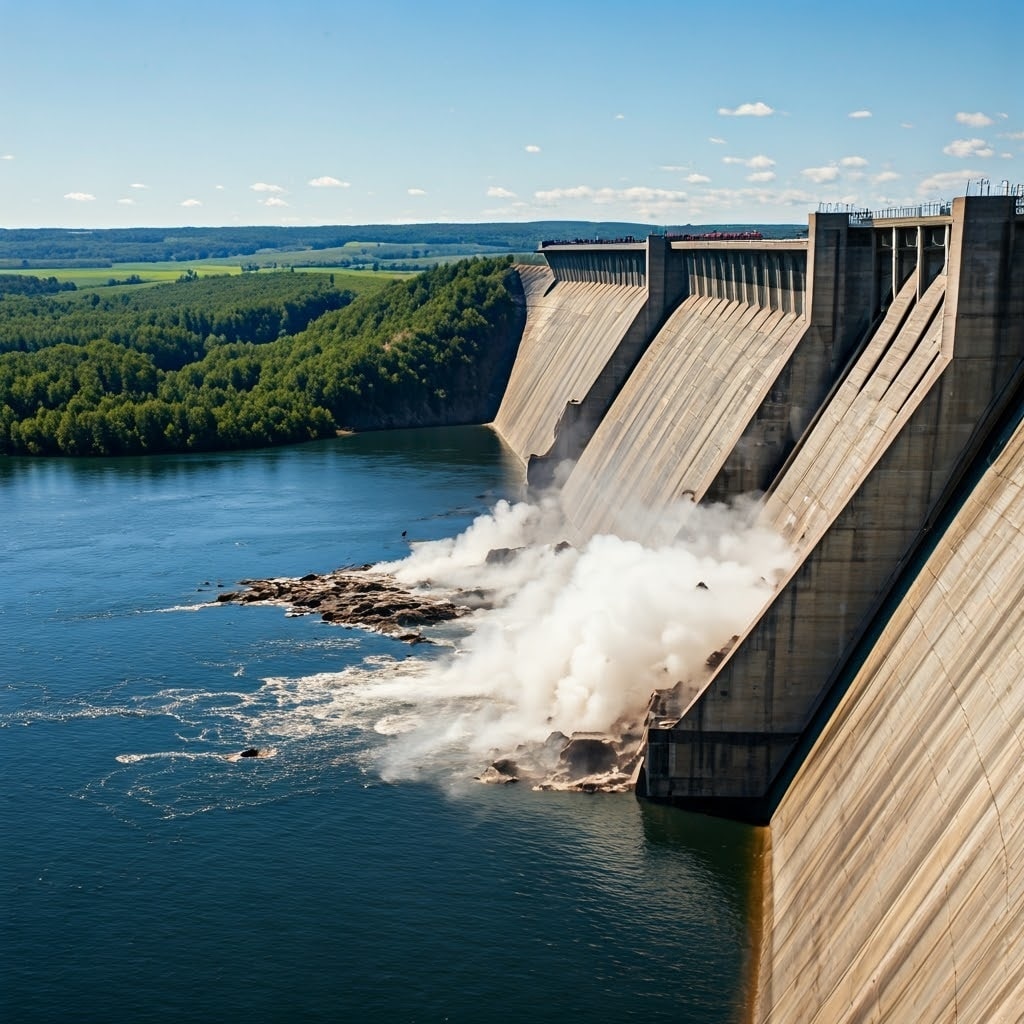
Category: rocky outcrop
[358,597]
[582,763]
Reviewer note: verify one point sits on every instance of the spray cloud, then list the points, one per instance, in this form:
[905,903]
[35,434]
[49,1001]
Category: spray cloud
[573,640]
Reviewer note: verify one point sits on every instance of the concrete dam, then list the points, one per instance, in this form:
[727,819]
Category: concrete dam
[868,382]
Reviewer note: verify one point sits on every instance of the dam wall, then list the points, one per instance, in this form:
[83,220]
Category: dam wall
[590,315]
[573,328]
[857,497]
[895,888]
[729,383]
[870,382]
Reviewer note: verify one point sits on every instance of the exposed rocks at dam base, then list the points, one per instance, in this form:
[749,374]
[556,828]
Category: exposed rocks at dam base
[581,763]
[358,597]
[362,597]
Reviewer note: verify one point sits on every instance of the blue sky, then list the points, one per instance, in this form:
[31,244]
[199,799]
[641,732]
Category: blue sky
[385,111]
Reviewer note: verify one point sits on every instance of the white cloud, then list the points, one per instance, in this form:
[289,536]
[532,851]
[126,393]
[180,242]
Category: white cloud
[948,181]
[273,201]
[219,188]
[976,120]
[191,202]
[859,114]
[137,184]
[127,202]
[604,196]
[326,181]
[7,156]
[80,197]
[416,191]
[968,147]
[533,149]
[853,161]
[262,186]
[642,202]
[755,163]
[884,176]
[716,140]
[821,175]
[906,124]
[497,192]
[697,179]
[758,109]
[1018,136]
[731,199]
[620,117]
[761,176]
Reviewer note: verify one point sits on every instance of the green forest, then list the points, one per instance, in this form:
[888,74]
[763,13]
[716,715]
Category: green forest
[249,360]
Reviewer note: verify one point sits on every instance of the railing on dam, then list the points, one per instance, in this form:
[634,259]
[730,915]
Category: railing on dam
[860,216]
[863,218]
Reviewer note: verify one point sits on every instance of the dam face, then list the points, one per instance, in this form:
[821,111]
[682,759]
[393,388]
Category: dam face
[869,383]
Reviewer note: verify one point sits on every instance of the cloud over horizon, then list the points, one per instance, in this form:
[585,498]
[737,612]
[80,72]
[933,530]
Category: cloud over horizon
[821,175]
[947,181]
[976,120]
[968,147]
[758,109]
[326,181]
[80,197]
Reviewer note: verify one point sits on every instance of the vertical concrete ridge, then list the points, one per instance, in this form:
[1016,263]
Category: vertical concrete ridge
[683,407]
[902,834]
[572,329]
[884,387]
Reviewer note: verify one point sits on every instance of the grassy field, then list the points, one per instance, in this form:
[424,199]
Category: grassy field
[115,276]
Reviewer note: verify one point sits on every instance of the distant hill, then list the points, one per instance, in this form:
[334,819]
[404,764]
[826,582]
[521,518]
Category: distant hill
[337,245]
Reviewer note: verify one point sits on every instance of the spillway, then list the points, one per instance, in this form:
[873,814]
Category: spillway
[572,330]
[685,408]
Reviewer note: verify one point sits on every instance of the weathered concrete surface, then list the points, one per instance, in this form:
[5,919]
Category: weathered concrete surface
[679,416]
[896,880]
[895,887]
[572,330]
[856,500]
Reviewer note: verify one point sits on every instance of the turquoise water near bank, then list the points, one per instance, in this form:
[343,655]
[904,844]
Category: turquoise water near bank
[144,877]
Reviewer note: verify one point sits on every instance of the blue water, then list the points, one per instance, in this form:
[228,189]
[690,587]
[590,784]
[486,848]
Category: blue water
[144,877]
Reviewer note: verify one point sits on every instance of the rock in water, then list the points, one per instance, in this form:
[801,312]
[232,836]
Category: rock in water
[352,597]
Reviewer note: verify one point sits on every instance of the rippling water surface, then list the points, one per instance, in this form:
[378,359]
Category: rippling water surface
[145,876]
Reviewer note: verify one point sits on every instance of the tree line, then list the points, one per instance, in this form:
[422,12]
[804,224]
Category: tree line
[44,247]
[221,363]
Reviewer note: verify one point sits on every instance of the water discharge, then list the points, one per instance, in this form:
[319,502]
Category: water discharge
[564,640]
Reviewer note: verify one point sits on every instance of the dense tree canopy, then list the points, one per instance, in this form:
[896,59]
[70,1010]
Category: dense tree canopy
[253,360]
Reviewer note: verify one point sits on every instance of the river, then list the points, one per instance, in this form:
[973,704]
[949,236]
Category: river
[145,876]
